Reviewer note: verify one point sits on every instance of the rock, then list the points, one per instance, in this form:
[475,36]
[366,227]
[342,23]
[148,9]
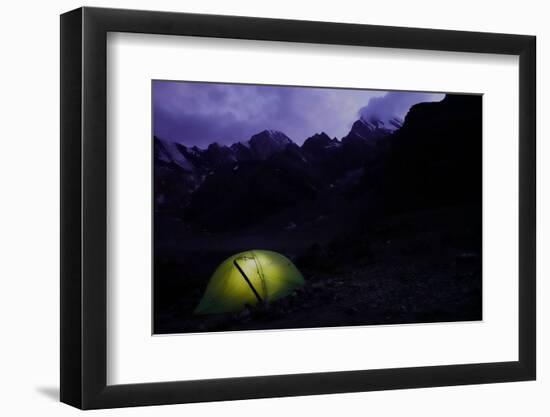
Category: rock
[244,315]
[352,311]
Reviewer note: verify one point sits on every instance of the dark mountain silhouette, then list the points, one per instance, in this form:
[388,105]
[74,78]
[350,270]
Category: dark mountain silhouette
[242,151]
[320,144]
[435,158]
[365,141]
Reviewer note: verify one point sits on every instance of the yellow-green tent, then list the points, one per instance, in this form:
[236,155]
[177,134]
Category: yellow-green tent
[248,278]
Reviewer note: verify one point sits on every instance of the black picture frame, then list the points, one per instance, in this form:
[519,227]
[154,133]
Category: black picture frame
[84,207]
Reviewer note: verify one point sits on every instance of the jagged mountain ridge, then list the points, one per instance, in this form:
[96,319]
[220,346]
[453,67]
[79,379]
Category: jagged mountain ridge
[409,164]
[373,129]
[263,145]
[183,171]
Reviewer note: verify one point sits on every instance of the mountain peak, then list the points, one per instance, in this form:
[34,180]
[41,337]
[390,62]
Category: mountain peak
[269,134]
[372,128]
[268,142]
[364,129]
[319,142]
[172,152]
[213,145]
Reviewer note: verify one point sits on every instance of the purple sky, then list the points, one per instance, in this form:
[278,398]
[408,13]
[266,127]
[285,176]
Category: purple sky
[201,113]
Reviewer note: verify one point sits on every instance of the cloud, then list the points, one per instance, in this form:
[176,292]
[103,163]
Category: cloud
[196,113]
[395,104]
[201,113]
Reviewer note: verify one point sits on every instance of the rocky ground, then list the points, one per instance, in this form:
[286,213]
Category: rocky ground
[410,268]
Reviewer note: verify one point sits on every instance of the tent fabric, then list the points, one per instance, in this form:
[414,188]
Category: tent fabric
[248,278]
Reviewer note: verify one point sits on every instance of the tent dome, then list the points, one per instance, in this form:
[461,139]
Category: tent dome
[248,278]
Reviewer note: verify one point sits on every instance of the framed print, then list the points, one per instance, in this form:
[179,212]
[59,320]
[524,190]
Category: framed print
[258,207]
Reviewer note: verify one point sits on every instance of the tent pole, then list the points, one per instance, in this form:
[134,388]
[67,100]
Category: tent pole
[248,281]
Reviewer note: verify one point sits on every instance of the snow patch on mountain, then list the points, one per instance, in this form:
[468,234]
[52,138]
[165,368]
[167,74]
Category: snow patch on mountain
[172,152]
[391,124]
[268,142]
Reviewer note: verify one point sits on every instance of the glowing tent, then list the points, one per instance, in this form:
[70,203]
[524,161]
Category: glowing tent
[248,278]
